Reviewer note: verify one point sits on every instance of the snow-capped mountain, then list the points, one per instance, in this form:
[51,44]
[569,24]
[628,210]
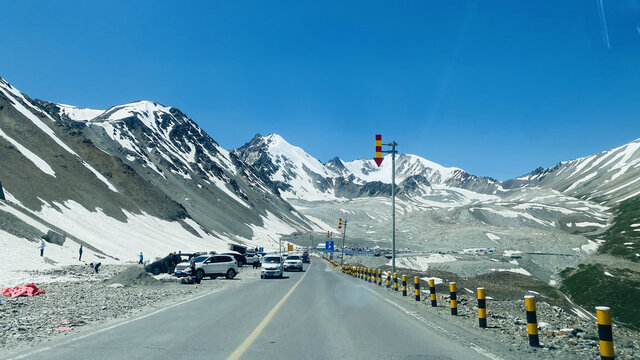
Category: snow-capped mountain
[609,177]
[139,176]
[298,175]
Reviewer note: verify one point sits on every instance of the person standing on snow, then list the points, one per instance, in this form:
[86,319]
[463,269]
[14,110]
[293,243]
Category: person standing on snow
[42,245]
[140,255]
[80,252]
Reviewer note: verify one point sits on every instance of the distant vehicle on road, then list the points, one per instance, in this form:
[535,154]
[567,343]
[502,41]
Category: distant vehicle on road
[238,256]
[272,266]
[167,264]
[305,258]
[293,262]
[217,265]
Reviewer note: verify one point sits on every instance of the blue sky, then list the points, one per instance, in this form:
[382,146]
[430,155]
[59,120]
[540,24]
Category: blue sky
[497,88]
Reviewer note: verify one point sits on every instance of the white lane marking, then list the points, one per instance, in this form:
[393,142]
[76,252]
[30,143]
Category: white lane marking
[31,353]
[414,315]
[256,332]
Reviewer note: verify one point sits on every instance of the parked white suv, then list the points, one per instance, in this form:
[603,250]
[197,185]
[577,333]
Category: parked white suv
[272,266]
[184,268]
[217,265]
[293,262]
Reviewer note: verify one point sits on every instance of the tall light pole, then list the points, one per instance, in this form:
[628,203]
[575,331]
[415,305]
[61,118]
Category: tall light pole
[378,159]
[344,234]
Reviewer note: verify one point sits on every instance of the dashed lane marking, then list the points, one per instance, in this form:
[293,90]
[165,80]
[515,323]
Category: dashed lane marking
[256,332]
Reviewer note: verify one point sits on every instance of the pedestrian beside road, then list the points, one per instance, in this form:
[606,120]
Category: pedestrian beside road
[42,245]
[194,274]
[140,255]
[80,253]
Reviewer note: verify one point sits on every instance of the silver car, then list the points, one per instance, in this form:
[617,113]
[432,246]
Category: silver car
[272,266]
[293,262]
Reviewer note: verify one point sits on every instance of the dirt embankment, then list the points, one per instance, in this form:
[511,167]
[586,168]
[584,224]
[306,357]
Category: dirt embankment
[90,299]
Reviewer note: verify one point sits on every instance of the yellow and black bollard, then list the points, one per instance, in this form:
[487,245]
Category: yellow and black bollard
[395,281]
[532,320]
[404,285]
[482,308]
[605,334]
[454,298]
[388,279]
[416,285]
[379,277]
[432,292]
[369,276]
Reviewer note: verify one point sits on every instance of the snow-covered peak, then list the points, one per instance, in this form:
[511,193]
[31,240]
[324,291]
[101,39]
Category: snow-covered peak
[294,157]
[406,165]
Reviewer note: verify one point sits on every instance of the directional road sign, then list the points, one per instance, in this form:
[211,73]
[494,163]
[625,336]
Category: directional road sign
[378,159]
[328,246]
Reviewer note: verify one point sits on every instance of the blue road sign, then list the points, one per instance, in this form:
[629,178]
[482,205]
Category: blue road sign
[328,246]
[261,249]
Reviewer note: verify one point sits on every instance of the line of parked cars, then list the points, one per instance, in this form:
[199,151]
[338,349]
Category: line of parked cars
[213,265]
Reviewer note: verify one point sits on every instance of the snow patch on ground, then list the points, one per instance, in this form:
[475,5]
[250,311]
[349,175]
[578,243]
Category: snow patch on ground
[590,247]
[493,237]
[35,159]
[421,263]
[435,280]
[516,270]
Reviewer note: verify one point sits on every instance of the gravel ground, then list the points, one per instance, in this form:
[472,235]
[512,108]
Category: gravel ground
[563,334]
[91,299]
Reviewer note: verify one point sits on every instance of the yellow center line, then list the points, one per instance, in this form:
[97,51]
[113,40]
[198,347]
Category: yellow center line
[256,332]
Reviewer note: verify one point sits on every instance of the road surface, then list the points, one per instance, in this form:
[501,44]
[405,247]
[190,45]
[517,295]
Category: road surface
[316,314]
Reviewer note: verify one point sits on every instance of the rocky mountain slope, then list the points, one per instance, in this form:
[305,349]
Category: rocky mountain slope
[609,177]
[135,177]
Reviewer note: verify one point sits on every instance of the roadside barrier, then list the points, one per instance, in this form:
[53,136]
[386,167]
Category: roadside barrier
[482,308]
[432,292]
[453,297]
[404,285]
[603,314]
[532,321]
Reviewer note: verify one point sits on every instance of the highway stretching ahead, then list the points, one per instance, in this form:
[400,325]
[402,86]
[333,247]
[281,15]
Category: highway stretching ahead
[316,314]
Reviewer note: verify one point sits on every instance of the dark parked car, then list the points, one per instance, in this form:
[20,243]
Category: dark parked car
[236,255]
[167,264]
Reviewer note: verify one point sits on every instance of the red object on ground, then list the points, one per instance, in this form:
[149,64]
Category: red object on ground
[25,290]
[64,328]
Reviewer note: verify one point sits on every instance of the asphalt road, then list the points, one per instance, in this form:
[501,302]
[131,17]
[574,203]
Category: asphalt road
[316,314]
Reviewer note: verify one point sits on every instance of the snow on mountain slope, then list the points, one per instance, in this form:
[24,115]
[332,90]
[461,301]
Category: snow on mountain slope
[406,165]
[609,177]
[296,173]
[135,177]
[18,101]
[77,113]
